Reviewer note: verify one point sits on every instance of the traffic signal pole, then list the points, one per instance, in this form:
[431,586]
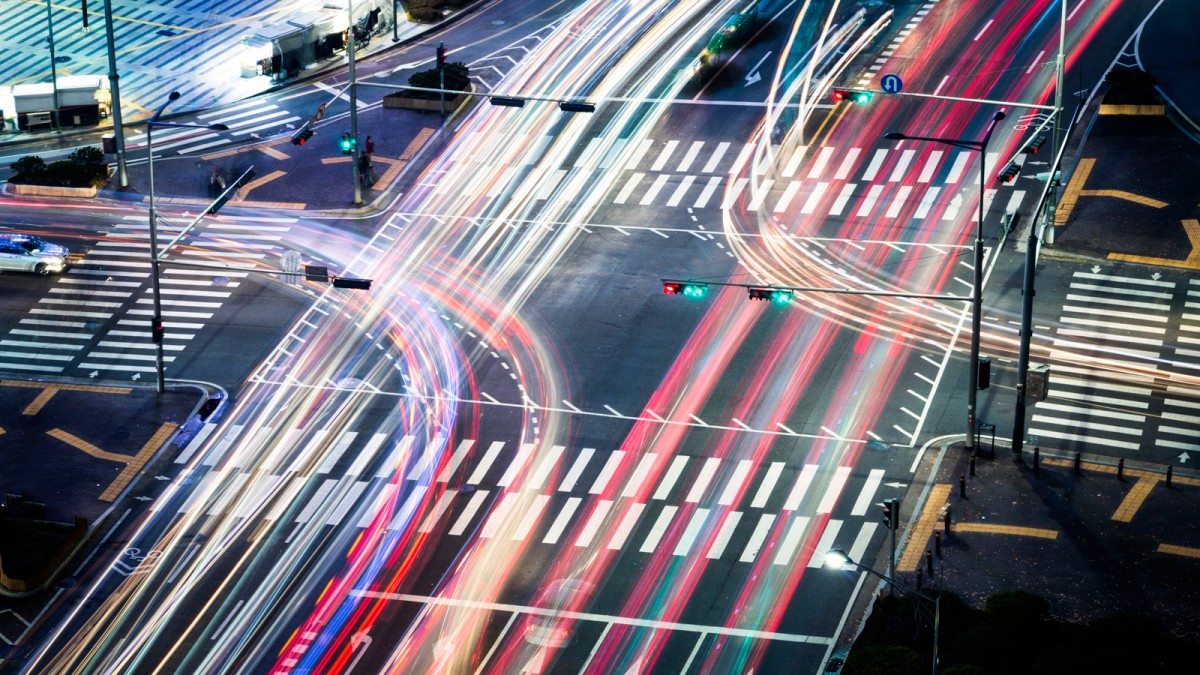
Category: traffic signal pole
[353,105]
[114,103]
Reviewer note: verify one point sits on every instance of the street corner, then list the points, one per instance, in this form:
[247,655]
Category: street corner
[76,447]
[1123,200]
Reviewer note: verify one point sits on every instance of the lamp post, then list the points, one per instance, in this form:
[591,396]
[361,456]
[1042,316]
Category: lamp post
[840,560]
[977,278]
[156,327]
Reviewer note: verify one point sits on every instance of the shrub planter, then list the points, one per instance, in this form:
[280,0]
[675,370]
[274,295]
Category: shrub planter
[1133,109]
[409,102]
[27,189]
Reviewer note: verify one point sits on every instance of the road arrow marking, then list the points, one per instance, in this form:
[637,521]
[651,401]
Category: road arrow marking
[1095,269]
[359,639]
[1155,276]
[136,376]
[144,498]
[754,76]
[1183,457]
[93,374]
[894,484]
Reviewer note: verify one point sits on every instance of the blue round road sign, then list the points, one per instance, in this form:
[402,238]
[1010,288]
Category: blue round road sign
[891,83]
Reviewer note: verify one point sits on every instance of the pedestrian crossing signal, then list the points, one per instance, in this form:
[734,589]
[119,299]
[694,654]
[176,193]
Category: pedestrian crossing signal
[779,296]
[1009,173]
[301,136]
[347,143]
[689,289]
[855,96]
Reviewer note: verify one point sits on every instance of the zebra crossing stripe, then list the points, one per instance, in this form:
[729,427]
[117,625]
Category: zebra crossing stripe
[723,535]
[859,548]
[532,513]
[832,527]
[767,486]
[901,168]
[689,157]
[197,440]
[757,538]
[848,162]
[873,167]
[706,475]
[814,198]
[587,158]
[560,522]
[898,201]
[803,480]
[868,204]
[395,460]
[926,202]
[218,451]
[486,463]
[731,195]
[1104,311]
[343,442]
[316,500]
[672,475]
[660,526]
[464,518]
[593,523]
[793,163]
[366,454]
[577,468]
[682,190]
[630,185]
[456,459]
[818,166]
[684,545]
[546,188]
[517,464]
[639,474]
[227,492]
[264,485]
[655,188]
[383,498]
[786,198]
[626,526]
[439,509]
[1120,302]
[787,547]
[840,475]
[1014,201]
[844,196]
[309,450]
[642,147]
[1080,438]
[539,476]
[707,193]
[664,155]
[715,158]
[874,478]
[734,487]
[960,164]
[607,472]
[348,499]
[931,165]
[1090,412]
[759,194]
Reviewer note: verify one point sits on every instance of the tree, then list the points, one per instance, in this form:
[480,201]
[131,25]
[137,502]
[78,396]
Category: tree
[458,78]
[28,169]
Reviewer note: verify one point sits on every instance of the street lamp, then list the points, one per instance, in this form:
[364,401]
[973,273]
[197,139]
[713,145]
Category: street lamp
[977,283]
[838,559]
[156,327]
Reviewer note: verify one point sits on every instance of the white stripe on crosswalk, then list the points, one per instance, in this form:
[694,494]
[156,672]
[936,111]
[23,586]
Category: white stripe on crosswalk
[901,167]
[818,166]
[787,547]
[606,474]
[814,198]
[707,193]
[715,158]
[1089,412]
[803,480]
[706,475]
[577,468]
[365,455]
[734,487]
[786,198]
[316,500]
[931,164]
[767,485]
[626,525]
[660,526]
[754,544]
[825,543]
[873,167]
[593,523]
[844,196]
[348,499]
[732,194]
[723,535]
[868,204]
[1124,279]
[1137,328]
[793,163]
[1090,426]
[1111,337]
[639,474]
[1121,291]
[456,459]
[560,521]
[1072,297]
[443,503]
[759,194]
[847,164]
[689,157]
[898,201]
[630,185]
[867,495]
[517,464]
[956,170]
[834,490]
[664,155]
[1124,445]
[681,191]
[383,497]
[539,476]
[486,463]
[859,548]
[1104,311]
[668,481]
[655,188]
[684,545]
[464,518]
[532,513]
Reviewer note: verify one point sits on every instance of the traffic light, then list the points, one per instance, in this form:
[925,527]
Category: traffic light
[349,282]
[984,373]
[690,289]
[577,106]
[302,135]
[779,296]
[441,55]
[1009,173]
[891,513]
[157,331]
[1032,147]
[855,96]
[316,273]
[347,143]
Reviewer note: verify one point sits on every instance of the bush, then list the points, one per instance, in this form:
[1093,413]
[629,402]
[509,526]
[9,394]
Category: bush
[29,168]
[66,173]
[1130,86]
[1018,609]
[87,155]
[431,10]
[458,78]
[884,660]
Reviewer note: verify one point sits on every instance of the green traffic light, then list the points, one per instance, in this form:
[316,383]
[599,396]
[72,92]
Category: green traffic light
[781,297]
[695,290]
[862,97]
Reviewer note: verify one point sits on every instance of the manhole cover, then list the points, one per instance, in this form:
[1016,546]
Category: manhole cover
[499,22]
[878,446]
[220,281]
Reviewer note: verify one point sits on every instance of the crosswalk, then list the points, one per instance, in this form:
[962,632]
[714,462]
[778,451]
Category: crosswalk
[819,180]
[248,120]
[96,317]
[718,507]
[1121,397]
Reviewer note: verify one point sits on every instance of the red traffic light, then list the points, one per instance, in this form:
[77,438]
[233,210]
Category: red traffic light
[672,288]
[840,95]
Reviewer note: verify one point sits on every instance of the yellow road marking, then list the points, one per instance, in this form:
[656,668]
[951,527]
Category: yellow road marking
[1134,473]
[394,167]
[991,528]
[1179,550]
[923,530]
[1071,195]
[38,403]
[335,160]
[88,448]
[1127,196]
[68,387]
[1191,226]
[1134,499]
[240,195]
[2,431]
[134,464]
[272,152]
[415,144]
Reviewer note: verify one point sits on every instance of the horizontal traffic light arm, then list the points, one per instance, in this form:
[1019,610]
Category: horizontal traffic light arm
[669,286]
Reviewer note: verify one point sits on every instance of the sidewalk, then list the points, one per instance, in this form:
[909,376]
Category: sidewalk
[1092,542]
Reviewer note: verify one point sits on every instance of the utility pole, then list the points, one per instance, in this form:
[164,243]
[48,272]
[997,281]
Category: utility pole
[53,63]
[441,68]
[353,106]
[115,100]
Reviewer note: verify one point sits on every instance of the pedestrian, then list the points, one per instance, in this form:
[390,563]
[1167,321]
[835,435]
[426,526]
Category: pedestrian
[370,148]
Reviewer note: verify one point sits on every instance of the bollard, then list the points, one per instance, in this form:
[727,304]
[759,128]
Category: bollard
[972,471]
[1121,469]
[929,562]
[1037,457]
[937,543]
[947,519]
[962,487]
[1078,462]
[920,576]
[1170,471]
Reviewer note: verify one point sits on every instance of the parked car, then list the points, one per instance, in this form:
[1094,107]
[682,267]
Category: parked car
[27,253]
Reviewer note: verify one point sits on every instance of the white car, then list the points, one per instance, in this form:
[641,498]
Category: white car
[27,253]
